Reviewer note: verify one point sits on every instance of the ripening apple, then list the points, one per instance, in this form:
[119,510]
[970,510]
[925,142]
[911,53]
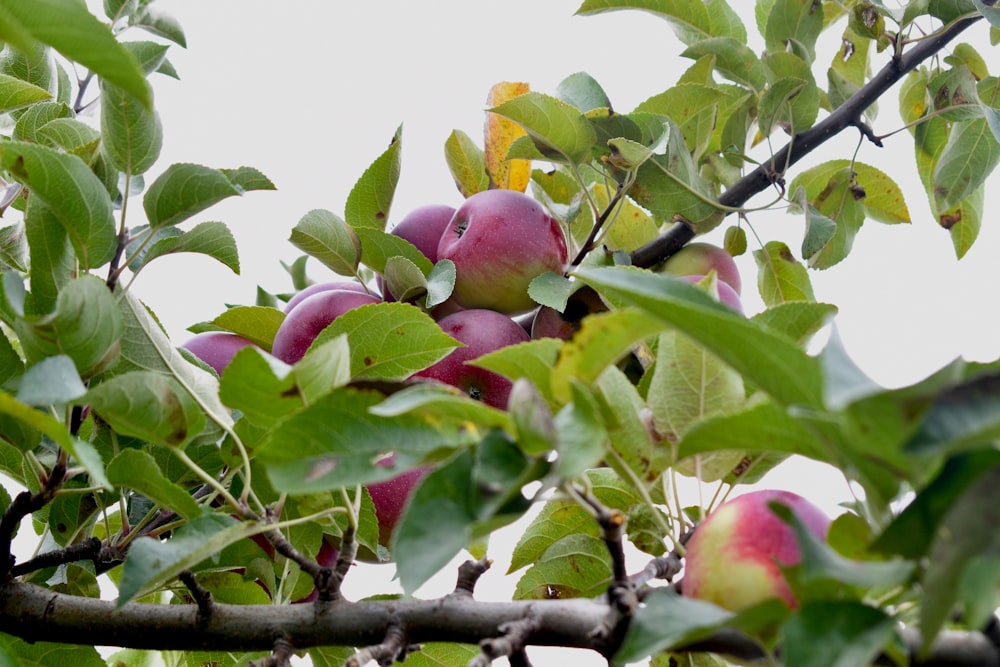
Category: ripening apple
[390,498]
[308,318]
[735,556]
[216,348]
[697,259]
[424,226]
[726,294]
[316,288]
[481,331]
[550,323]
[501,240]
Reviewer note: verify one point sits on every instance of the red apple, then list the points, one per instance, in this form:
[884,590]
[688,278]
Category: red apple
[216,348]
[501,240]
[735,556]
[697,259]
[316,288]
[481,331]
[550,323]
[325,557]
[390,498]
[424,226]
[727,294]
[307,319]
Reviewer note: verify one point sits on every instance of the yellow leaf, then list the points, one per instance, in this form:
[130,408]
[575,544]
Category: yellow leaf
[500,133]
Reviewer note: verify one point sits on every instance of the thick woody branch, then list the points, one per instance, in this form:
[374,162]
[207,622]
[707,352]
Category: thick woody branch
[37,614]
[773,170]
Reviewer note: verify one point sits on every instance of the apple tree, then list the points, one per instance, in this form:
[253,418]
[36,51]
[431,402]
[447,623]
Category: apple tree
[565,351]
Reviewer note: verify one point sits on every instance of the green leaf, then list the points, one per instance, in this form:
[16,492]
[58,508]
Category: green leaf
[440,283]
[151,563]
[74,194]
[774,102]
[532,361]
[378,246]
[833,190]
[51,255]
[765,359]
[582,437]
[466,163]
[37,116]
[323,235]
[402,277]
[439,402]
[963,417]
[793,20]
[147,405]
[184,189]
[85,326]
[733,59]
[991,12]
[625,417]
[575,566]
[131,131]
[970,528]
[798,320]
[69,28]
[668,620]
[389,341]
[257,324]
[582,91]
[16,94]
[73,136]
[971,154]
[248,179]
[135,469]
[557,129]
[14,246]
[260,387]
[213,239]
[690,19]
[15,652]
[370,199]
[836,634]
[336,441]
[695,109]
[52,381]
[158,23]
[603,339]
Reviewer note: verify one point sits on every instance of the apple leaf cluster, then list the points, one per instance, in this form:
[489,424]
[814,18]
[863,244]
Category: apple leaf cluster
[423,391]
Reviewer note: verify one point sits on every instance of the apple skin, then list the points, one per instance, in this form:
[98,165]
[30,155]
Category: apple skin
[316,288]
[727,294]
[424,226]
[307,319]
[550,323]
[697,259]
[390,498]
[481,331]
[216,348]
[501,240]
[734,557]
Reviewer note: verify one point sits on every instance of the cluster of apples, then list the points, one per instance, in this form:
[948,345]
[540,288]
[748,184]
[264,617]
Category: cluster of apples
[498,240]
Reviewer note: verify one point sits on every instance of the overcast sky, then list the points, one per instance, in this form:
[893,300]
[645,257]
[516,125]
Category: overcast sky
[311,91]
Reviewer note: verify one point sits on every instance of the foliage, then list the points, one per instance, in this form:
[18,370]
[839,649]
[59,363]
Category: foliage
[143,464]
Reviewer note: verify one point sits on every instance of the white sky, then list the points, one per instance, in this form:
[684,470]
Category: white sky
[311,91]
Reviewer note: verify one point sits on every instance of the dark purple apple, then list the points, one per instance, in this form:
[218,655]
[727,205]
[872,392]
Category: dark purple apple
[313,314]
[727,294]
[550,323]
[216,348]
[390,498]
[501,240]
[481,331]
[697,259]
[316,288]
[424,226]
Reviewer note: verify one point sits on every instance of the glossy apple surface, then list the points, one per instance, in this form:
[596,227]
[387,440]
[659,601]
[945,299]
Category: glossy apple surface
[216,348]
[307,319]
[481,331]
[735,556]
[697,259]
[501,240]
[316,288]
[424,226]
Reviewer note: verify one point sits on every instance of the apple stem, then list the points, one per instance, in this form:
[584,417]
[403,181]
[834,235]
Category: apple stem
[588,245]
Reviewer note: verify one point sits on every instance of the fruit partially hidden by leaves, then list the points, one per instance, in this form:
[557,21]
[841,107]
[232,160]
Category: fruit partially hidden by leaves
[722,291]
[216,348]
[316,288]
[307,319]
[550,323]
[698,259]
[501,240]
[480,331]
[735,556]
[390,498]
[424,226]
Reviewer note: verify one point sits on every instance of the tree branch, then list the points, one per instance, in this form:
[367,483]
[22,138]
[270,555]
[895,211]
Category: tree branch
[846,115]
